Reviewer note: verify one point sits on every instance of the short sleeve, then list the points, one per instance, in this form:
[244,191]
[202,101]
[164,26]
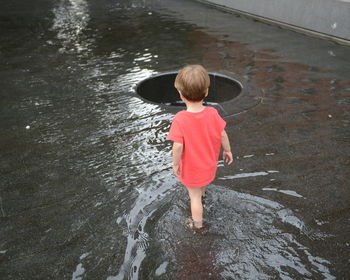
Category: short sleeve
[175,132]
[221,124]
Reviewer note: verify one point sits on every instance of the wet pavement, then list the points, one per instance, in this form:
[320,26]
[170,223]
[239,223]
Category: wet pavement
[86,187]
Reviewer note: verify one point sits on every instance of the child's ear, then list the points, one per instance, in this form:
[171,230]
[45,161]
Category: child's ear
[183,98]
[206,93]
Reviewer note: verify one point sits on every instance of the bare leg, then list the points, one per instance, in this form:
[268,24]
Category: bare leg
[196,206]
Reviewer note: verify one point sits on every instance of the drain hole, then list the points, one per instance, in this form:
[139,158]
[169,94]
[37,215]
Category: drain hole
[224,91]
[160,89]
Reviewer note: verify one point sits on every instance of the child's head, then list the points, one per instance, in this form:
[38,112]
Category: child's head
[193,82]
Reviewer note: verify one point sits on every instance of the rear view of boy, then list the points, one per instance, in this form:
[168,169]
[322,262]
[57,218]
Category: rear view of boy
[197,134]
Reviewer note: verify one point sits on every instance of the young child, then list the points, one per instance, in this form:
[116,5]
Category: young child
[197,134]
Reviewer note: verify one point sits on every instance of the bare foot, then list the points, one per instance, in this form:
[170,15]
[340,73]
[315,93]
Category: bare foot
[197,226]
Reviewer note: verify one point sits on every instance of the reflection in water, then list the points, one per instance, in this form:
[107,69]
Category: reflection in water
[138,161]
[134,76]
[135,155]
[146,159]
[151,197]
[71,18]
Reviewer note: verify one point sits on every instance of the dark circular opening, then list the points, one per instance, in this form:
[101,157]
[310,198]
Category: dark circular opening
[228,95]
[160,89]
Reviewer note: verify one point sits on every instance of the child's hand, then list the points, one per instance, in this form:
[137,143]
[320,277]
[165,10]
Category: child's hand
[176,170]
[227,156]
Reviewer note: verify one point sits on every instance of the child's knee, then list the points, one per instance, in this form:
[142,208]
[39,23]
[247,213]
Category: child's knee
[196,198]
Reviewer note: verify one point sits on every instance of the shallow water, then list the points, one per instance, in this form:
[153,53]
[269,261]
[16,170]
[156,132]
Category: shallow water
[86,184]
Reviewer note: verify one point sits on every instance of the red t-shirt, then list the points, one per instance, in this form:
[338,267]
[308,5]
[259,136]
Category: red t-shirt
[200,134]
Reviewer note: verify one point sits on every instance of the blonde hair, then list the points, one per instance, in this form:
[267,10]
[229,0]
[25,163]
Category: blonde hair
[193,82]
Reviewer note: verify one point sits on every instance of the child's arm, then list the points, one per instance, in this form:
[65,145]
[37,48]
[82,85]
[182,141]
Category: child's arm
[225,142]
[177,152]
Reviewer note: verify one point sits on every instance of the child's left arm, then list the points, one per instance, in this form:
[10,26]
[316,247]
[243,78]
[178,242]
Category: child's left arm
[225,142]
[177,152]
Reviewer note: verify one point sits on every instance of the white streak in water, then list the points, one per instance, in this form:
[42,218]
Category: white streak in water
[248,156]
[331,53]
[2,209]
[246,175]
[161,269]
[83,256]
[288,192]
[79,272]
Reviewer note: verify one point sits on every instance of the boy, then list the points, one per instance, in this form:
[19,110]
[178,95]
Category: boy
[197,134]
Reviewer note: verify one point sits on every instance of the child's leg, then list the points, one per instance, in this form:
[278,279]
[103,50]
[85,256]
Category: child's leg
[196,206]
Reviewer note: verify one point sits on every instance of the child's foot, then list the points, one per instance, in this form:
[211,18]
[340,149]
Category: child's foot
[197,226]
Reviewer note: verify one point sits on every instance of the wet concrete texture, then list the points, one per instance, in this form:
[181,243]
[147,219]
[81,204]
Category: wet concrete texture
[86,186]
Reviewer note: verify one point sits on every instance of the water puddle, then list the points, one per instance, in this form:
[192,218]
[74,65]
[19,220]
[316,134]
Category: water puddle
[249,238]
[87,190]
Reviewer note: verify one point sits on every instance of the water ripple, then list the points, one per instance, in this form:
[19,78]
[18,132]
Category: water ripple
[249,238]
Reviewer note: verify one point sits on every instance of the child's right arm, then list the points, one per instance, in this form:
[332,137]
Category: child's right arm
[177,152]
[225,142]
